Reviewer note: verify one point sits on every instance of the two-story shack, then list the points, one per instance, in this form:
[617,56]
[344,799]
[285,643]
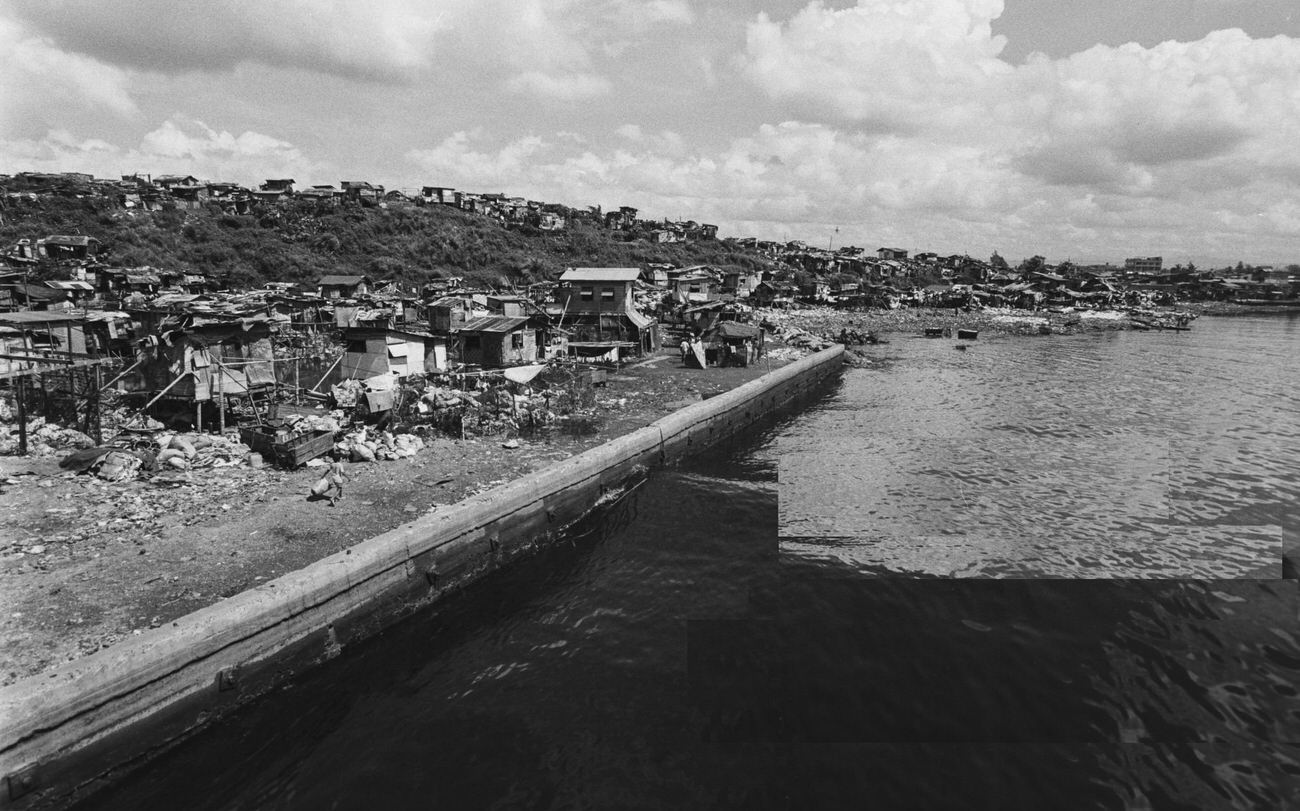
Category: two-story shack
[597,310]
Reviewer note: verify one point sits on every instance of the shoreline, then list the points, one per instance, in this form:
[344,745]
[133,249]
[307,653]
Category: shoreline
[115,559]
[111,712]
[88,563]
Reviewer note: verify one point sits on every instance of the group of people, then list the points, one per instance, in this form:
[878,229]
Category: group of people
[689,344]
[728,354]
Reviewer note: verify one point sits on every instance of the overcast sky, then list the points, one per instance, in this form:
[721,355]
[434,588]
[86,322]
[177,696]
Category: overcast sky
[1084,130]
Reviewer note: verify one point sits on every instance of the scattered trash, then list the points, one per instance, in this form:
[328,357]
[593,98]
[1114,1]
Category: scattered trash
[43,439]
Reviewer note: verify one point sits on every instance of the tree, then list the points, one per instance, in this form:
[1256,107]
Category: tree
[997,262]
[1034,264]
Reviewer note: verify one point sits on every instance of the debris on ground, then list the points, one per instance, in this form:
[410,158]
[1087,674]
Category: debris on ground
[43,438]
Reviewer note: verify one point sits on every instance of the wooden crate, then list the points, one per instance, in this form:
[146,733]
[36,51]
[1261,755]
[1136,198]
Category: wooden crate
[287,451]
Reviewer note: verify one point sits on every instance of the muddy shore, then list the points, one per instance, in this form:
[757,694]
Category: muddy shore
[85,563]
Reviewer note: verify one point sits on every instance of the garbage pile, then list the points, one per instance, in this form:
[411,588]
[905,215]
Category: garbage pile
[43,438]
[332,422]
[131,458]
[368,445]
[347,392]
[803,339]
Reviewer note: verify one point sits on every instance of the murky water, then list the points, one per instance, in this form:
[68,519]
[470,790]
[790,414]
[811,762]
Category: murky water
[1120,455]
[680,652]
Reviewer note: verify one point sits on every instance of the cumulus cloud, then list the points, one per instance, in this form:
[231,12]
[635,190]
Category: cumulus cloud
[561,86]
[542,47]
[179,145]
[1123,119]
[890,63]
[380,41]
[36,77]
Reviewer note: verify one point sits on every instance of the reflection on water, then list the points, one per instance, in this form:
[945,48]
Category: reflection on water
[1157,455]
[678,653]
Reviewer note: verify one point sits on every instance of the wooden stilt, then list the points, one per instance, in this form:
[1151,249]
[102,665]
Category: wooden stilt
[93,405]
[221,399]
[20,386]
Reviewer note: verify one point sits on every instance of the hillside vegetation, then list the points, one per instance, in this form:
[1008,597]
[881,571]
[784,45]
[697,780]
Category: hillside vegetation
[300,241]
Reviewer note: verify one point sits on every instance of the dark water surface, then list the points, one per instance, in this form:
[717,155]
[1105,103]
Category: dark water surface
[717,640]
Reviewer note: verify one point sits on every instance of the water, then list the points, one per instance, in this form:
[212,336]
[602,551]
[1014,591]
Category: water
[700,645]
[1118,455]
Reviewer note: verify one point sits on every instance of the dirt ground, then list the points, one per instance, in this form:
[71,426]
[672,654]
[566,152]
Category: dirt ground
[85,563]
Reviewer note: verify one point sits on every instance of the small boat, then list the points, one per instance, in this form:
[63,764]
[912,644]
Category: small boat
[934,332]
[967,334]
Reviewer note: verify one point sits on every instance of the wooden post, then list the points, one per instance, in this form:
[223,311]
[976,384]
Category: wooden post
[96,424]
[221,398]
[20,387]
[297,389]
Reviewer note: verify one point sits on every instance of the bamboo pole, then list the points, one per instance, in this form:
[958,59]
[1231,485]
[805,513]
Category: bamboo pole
[316,387]
[221,398]
[93,402]
[20,386]
[168,388]
[122,374]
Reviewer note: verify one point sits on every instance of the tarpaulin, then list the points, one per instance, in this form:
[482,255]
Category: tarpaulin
[523,374]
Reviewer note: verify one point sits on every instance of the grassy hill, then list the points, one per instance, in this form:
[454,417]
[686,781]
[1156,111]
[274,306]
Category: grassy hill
[300,241]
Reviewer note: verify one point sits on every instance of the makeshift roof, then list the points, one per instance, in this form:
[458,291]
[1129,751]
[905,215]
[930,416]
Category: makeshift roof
[641,321]
[38,291]
[63,239]
[41,317]
[337,280]
[72,285]
[735,329]
[494,323]
[600,275]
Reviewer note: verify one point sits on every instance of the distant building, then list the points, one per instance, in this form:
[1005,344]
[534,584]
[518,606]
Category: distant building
[62,247]
[1145,264]
[340,286]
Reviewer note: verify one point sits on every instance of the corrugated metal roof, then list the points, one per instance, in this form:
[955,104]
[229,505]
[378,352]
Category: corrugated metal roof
[641,321]
[41,317]
[72,285]
[600,275]
[341,280]
[494,323]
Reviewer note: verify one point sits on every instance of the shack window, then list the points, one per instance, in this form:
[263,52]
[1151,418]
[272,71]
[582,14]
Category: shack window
[587,293]
[516,340]
[357,346]
[606,294]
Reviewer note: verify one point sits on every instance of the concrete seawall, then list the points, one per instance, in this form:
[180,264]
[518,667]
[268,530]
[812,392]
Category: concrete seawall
[64,732]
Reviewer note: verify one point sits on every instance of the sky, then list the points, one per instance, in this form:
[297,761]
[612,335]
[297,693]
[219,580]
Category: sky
[1089,131]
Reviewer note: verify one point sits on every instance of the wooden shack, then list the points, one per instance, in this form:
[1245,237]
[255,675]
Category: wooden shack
[499,340]
[369,352]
